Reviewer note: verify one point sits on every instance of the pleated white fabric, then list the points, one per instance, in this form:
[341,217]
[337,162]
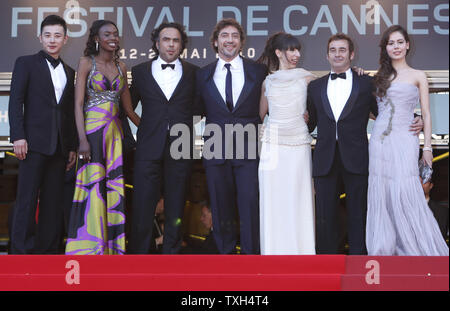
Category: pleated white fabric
[285,169]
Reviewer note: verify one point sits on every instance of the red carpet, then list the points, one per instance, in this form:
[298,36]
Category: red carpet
[396,273]
[219,273]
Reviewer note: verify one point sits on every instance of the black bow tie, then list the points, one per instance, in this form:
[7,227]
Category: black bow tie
[341,75]
[164,66]
[53,62]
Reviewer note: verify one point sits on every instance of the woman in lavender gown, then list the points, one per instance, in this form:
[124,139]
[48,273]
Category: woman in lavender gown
[399,221]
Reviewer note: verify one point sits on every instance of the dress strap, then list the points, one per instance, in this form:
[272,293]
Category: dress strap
[94,64]
[120,70]
[94,67]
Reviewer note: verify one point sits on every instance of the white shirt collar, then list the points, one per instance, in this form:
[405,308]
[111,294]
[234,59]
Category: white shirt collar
[348,73]
[51,66]
[236,63]
[160,61]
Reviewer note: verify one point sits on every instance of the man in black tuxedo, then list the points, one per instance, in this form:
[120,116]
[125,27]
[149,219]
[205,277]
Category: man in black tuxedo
[42,128]
[230,90]
[166,88]
[339,104]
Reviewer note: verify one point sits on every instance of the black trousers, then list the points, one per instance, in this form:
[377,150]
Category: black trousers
[40,176]
[234,194]
[327,212]
[152,178]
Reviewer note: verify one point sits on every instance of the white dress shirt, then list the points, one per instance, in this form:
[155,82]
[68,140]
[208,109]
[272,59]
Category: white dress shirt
[237,77]
[168,78]
[338,92]
[59,79]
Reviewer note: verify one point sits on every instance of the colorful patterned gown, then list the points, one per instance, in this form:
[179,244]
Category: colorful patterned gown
[97,220]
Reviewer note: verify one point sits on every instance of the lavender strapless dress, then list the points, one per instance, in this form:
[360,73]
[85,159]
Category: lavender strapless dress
[399,221]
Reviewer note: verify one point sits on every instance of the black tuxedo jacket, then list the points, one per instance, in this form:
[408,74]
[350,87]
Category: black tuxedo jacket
[157,112]
[351,126]
[245,112]
[34,114]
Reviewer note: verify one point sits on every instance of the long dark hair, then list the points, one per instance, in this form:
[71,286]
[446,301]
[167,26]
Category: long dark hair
[386,71]
[279,41]
[94,32]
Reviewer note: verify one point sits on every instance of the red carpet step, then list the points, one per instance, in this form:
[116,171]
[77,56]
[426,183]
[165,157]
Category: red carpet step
[176,272]
[396,273]
[222,273]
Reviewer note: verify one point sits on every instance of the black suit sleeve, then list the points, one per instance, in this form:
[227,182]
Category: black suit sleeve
[373,100]
[311,111]
[134,90]
[199,106]
[19,86]
[73,139]
[129,143]
[374,106]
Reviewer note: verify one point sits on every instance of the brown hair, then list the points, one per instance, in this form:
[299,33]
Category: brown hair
[221,25]
[383,78]
[341,36]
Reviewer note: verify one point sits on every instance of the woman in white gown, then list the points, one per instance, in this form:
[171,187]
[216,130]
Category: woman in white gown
[285,181]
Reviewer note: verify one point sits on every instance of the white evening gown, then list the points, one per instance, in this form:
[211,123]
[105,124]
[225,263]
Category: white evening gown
[285,181]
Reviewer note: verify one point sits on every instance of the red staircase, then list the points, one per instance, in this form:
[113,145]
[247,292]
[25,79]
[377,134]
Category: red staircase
[396,273]
[221,273]
[166,272]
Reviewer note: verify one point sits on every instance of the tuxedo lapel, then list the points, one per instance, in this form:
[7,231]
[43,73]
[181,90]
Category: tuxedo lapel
[69,81]
[212,87]
[42,62]
[183,77]
[248,84]
[325,102]
[352,99]
[151,80]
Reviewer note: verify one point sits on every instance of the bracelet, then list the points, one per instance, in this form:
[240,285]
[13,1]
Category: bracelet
[427,149]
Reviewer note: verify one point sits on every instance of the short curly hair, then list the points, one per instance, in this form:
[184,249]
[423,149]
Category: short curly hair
[221,25]
[157,31]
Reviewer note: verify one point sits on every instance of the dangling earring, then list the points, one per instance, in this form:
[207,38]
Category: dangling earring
[96,46]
